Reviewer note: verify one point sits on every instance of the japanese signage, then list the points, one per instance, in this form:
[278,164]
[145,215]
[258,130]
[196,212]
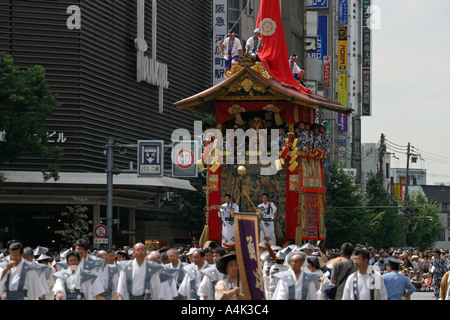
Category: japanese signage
[366,105]
[342,99]
[246,233]
[343,12]
[326,72]
[53,137]
[366,48]
[150,158]
[342,46]
[342,89]
[219,23]
[366,61]
[322,32]
[317,4]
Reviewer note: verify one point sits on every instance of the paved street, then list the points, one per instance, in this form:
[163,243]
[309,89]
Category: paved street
[422,296]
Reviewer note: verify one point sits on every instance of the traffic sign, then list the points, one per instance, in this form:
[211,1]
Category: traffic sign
[101,231]
[150,158]
[184,159]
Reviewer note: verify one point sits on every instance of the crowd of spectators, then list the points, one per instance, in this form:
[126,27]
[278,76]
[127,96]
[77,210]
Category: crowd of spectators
[425,268]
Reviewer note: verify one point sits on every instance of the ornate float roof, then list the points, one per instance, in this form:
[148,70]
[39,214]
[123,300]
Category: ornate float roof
[252,83]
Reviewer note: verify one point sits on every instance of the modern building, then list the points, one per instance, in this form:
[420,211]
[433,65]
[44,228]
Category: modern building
[117,67]
[339,69]
[416,177]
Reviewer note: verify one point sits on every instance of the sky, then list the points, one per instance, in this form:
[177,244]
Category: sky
[411,84]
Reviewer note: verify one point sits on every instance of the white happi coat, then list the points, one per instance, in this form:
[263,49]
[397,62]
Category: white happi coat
[228,222]
[268,211]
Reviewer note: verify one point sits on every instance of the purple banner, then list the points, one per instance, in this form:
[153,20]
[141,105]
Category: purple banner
[247,252]
[342,122]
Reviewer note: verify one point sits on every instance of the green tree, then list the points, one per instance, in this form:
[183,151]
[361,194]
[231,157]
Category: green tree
[191,217]
[25,104]
[384,227]
[75,223]
[424,225]
[345,222]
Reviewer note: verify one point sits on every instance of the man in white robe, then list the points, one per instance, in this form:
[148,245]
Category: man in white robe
[20,279]
[296,283]
[193,276]
[139,278]
[267,215]
[75,283]
[226,213]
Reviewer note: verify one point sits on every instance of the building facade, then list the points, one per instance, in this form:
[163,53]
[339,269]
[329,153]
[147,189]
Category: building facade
[441,196]
[117,67]
[335,69]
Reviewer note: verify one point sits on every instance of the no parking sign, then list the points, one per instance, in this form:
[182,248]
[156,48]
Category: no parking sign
[101,231]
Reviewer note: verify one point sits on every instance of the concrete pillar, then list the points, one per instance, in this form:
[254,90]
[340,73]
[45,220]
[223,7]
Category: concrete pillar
[132,224]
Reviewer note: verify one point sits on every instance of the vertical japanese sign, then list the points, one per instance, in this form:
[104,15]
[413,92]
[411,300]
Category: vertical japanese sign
[366,61]
[343,12]
[366,105]
[326,72]
[246,233]
[342,44]
[219,27]
[342,99]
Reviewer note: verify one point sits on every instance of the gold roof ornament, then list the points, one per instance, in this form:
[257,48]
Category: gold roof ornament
[246,61]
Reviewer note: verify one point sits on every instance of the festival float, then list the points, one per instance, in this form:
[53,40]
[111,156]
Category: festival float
[265,95]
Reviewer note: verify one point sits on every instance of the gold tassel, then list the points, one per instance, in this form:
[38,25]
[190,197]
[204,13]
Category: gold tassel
[236,110]
[204,237]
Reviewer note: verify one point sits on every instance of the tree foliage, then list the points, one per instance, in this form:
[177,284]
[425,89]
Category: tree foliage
[75,223]
[192,216]
[26,102]
[424,225]
[384,226]
[376,217]
[343,221]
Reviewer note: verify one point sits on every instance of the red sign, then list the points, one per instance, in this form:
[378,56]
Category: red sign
[185,159]
[326,72]
[101,231]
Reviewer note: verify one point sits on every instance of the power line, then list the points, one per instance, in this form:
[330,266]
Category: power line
[433,155]
[395,144]
[424,155]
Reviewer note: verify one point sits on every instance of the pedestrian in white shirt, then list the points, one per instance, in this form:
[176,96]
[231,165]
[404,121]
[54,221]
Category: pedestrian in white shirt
[254,44]
[267,216]
[21,279]
[365,283]
[232,48]
[193,276]
[139,278]
[110,274]
[211,275]
[296,283]
[175,262]
[166,276]
[74,283]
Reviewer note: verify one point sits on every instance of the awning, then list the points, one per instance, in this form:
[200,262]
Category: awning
[129,190]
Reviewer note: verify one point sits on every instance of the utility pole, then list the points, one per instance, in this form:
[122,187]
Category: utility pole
[381,157]
[109,189]
[408,154]
[405,201]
